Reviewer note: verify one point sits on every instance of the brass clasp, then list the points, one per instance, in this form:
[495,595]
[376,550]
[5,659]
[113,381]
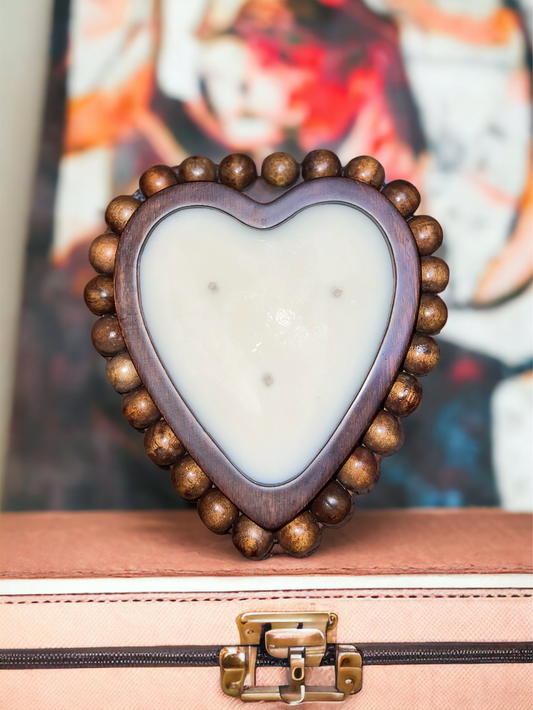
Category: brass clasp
[302,638]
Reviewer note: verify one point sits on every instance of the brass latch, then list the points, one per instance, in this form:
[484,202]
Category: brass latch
[301,638]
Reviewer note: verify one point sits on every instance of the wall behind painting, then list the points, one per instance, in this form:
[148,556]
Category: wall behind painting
[437,91]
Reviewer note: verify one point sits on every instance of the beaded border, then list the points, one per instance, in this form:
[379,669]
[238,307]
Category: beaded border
[334,505]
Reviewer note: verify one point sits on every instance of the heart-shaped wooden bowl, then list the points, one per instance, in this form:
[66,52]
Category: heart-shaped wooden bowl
[368,429]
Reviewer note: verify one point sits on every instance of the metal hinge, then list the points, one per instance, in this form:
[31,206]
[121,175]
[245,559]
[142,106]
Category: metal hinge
[300,638]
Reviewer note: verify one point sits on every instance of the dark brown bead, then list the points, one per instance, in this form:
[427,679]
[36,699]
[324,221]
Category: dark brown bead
[162,445]
[280,169]
[405,395]
[237,171]
[188,478]
[403,195]
[102,253]
[367,170]
[99,295]
[119,211]
[321,163]
[139,409]
[423,355]
[107,336]
[156,179]
[301,536]
[197,168]
[434,274]
[360,470]
[384,434]
[432,314]
[252,541]
[333,506]
[216,511]
[427,233]
[121,373]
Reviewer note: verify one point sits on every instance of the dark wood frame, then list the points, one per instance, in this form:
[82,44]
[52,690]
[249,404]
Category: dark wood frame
[269,506]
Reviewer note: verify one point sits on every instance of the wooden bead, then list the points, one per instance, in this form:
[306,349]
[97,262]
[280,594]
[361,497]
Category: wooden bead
[333,506]
[280,169]
[102,253]
[301,536]
[156,179]
[121,373]
[162,445]
[237,171]
[216,511]
[367,170]
[423,355]
[404,196]
[384,434]
[251,540]
[434,274]
[107,337]
[432,314]
[188,478]
[99,295]
[427,233]
[405,395]
[321,163]
[139,409]
[119,211]
[197,168]
[360,470]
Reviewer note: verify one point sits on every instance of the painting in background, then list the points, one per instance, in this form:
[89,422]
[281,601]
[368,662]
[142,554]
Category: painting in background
[437,90]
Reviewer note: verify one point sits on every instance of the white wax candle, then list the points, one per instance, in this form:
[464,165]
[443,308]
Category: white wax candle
[267,335]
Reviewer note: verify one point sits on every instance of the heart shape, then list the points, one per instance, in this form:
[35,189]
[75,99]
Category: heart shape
[241,316]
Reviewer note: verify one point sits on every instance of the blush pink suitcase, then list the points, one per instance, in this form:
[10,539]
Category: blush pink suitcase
[132,610]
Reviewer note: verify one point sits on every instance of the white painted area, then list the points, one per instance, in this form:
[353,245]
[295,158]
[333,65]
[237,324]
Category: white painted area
[268,334]
[512,425]
[169,585]
[83,192]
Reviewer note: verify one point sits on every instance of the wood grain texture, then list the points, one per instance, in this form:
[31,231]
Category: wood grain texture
[319,164]
[251,540]
[197,168]
[280,169]
[121,373]
[333,506]
[269,507]
[119,211]
[360,470]
[301,536]
[106,336]
[156,178]
[403,195]
[102,253]
[188,479]
[365,169]
[237,171]
[405,395]
[216,511]
[162,445]
[99,295]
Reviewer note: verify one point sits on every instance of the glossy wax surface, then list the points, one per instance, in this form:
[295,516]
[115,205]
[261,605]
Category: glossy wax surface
[267,335]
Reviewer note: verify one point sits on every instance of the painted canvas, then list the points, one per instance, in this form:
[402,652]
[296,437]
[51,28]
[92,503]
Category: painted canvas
[437,90]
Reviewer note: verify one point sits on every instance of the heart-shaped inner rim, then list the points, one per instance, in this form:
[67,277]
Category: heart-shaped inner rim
[161,326]
[267,334]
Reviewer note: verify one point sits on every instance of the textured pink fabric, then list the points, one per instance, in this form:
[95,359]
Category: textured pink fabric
[167,543]
[184,619]
[155,544]
[468,687]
